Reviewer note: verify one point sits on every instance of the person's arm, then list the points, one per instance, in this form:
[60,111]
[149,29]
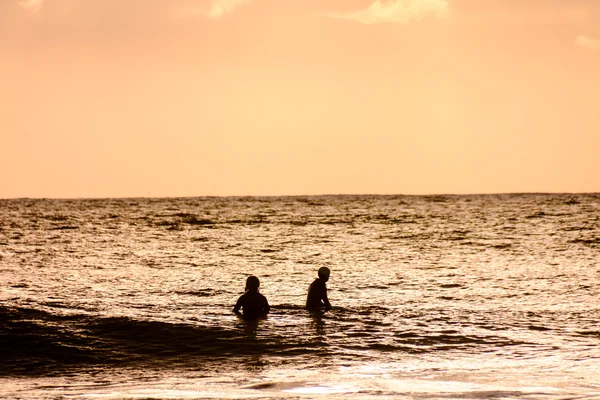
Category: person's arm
[266,306]
[325,299]
[238,305]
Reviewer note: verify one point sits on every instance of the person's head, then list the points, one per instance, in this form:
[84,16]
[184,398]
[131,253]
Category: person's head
[252,283]
[324,273]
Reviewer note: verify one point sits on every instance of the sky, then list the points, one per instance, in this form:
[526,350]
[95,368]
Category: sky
[137,98]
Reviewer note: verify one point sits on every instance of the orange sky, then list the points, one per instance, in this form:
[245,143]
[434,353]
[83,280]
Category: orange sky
[113,98]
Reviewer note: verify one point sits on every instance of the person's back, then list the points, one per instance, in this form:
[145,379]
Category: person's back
[317,291]
[252,303]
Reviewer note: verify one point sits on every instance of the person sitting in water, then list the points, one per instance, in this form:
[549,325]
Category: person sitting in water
[253,304]
[317,292]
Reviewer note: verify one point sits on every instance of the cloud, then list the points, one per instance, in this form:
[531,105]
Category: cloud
[396,11]
[215,10]
[218,8]
[587,42]
[31,5]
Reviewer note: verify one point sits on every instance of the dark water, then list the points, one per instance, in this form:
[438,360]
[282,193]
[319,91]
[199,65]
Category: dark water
[434,296]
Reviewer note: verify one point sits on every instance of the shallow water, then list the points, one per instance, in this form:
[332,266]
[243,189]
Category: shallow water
[434,297]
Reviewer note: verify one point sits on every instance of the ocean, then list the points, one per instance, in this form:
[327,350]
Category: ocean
[434,297]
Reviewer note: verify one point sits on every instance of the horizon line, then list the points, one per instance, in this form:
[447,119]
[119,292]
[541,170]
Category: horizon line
[303,195]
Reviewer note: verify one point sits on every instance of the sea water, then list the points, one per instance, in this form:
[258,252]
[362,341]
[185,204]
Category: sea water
[489,296]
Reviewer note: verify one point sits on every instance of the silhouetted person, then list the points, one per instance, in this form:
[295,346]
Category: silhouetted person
[252,303]
[317,292]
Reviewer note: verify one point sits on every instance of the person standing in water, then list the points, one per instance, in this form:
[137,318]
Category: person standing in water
[317,291]
[253,304]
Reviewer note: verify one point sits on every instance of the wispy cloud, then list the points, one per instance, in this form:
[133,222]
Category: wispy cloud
[218,8]
[215,10]
[395,11]
[587,42]
[31,5]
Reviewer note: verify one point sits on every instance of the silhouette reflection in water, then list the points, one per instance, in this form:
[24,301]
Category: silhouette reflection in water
[318,325]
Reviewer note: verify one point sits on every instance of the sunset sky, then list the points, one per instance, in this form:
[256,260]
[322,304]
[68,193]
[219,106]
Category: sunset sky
[120,98]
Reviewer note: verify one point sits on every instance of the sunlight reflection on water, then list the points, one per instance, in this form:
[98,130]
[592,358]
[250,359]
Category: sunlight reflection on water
[473,296]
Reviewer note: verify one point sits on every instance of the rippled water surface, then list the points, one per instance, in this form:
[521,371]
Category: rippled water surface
[434,297]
